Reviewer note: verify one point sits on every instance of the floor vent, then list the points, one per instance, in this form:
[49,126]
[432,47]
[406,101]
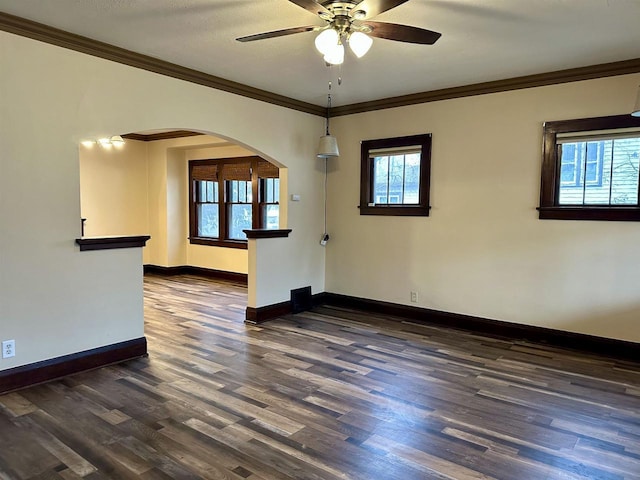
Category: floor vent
[301,299]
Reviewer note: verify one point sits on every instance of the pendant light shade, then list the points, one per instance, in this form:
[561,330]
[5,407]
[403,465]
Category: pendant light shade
[328,147]
[636,108]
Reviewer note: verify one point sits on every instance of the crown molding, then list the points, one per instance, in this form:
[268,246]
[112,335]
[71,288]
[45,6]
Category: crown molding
[54,36]
[539,80]
[152,137]
[61,38]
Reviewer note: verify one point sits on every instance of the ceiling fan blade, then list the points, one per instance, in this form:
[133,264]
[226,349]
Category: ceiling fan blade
[276,33]
[402,33]
[312,6]
[376,7]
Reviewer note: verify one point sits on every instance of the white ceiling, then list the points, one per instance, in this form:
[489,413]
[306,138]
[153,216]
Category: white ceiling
[482,40]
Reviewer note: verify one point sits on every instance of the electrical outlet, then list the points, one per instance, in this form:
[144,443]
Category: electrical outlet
[8,348]
[414,297]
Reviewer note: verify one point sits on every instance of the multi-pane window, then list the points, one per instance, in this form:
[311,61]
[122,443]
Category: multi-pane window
[591,169]
[224,199]
[395,176]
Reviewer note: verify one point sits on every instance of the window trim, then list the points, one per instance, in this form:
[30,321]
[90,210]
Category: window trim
[550,184]
[366,176]
[223,203]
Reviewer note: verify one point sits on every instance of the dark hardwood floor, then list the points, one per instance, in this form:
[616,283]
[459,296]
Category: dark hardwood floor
[327,394]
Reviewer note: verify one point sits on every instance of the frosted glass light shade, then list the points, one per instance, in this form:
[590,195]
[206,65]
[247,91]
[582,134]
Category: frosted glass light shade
[636,108]
[336,55]
[104,142]
[117,141]
[326,41]
[360,43]
[328,147]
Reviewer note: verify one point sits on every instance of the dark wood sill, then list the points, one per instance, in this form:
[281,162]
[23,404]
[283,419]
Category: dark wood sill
[613,214]
[109,243]
[395,210]
[264,233]
[214,242]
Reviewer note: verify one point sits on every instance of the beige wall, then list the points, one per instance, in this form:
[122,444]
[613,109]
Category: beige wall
[483,251]
[56,300]
[113,189]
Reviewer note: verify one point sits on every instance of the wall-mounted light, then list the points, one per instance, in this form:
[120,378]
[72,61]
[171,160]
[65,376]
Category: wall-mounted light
[117,141]
[105,142]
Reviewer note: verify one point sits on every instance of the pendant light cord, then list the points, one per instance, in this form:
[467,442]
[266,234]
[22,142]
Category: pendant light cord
[328,107]
[325,196]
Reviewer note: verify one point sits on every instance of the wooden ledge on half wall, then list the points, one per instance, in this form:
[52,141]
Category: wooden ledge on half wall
[109,243]
[267,233]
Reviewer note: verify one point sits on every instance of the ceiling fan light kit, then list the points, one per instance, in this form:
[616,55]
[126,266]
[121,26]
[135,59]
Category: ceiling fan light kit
[348,22]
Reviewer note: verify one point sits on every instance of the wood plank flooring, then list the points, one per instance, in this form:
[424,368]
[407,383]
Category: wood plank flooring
[327,394]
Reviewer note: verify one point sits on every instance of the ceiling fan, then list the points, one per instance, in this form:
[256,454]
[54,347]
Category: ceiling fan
[348,21]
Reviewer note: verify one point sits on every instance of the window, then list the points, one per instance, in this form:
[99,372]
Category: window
[590,169]
[394,177]
[229,196]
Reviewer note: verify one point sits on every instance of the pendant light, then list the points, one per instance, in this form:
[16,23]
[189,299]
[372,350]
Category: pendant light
[328,146]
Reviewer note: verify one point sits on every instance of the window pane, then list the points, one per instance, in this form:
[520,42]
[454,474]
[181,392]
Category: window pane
[571,188]
[276,190]
[233,190]
[380,179]
[249,192]
[624,176]
[412,179]
[596,192]
[271,216]
[208,220]
[240,219]
[269,190]
[201,191]
[396,179]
